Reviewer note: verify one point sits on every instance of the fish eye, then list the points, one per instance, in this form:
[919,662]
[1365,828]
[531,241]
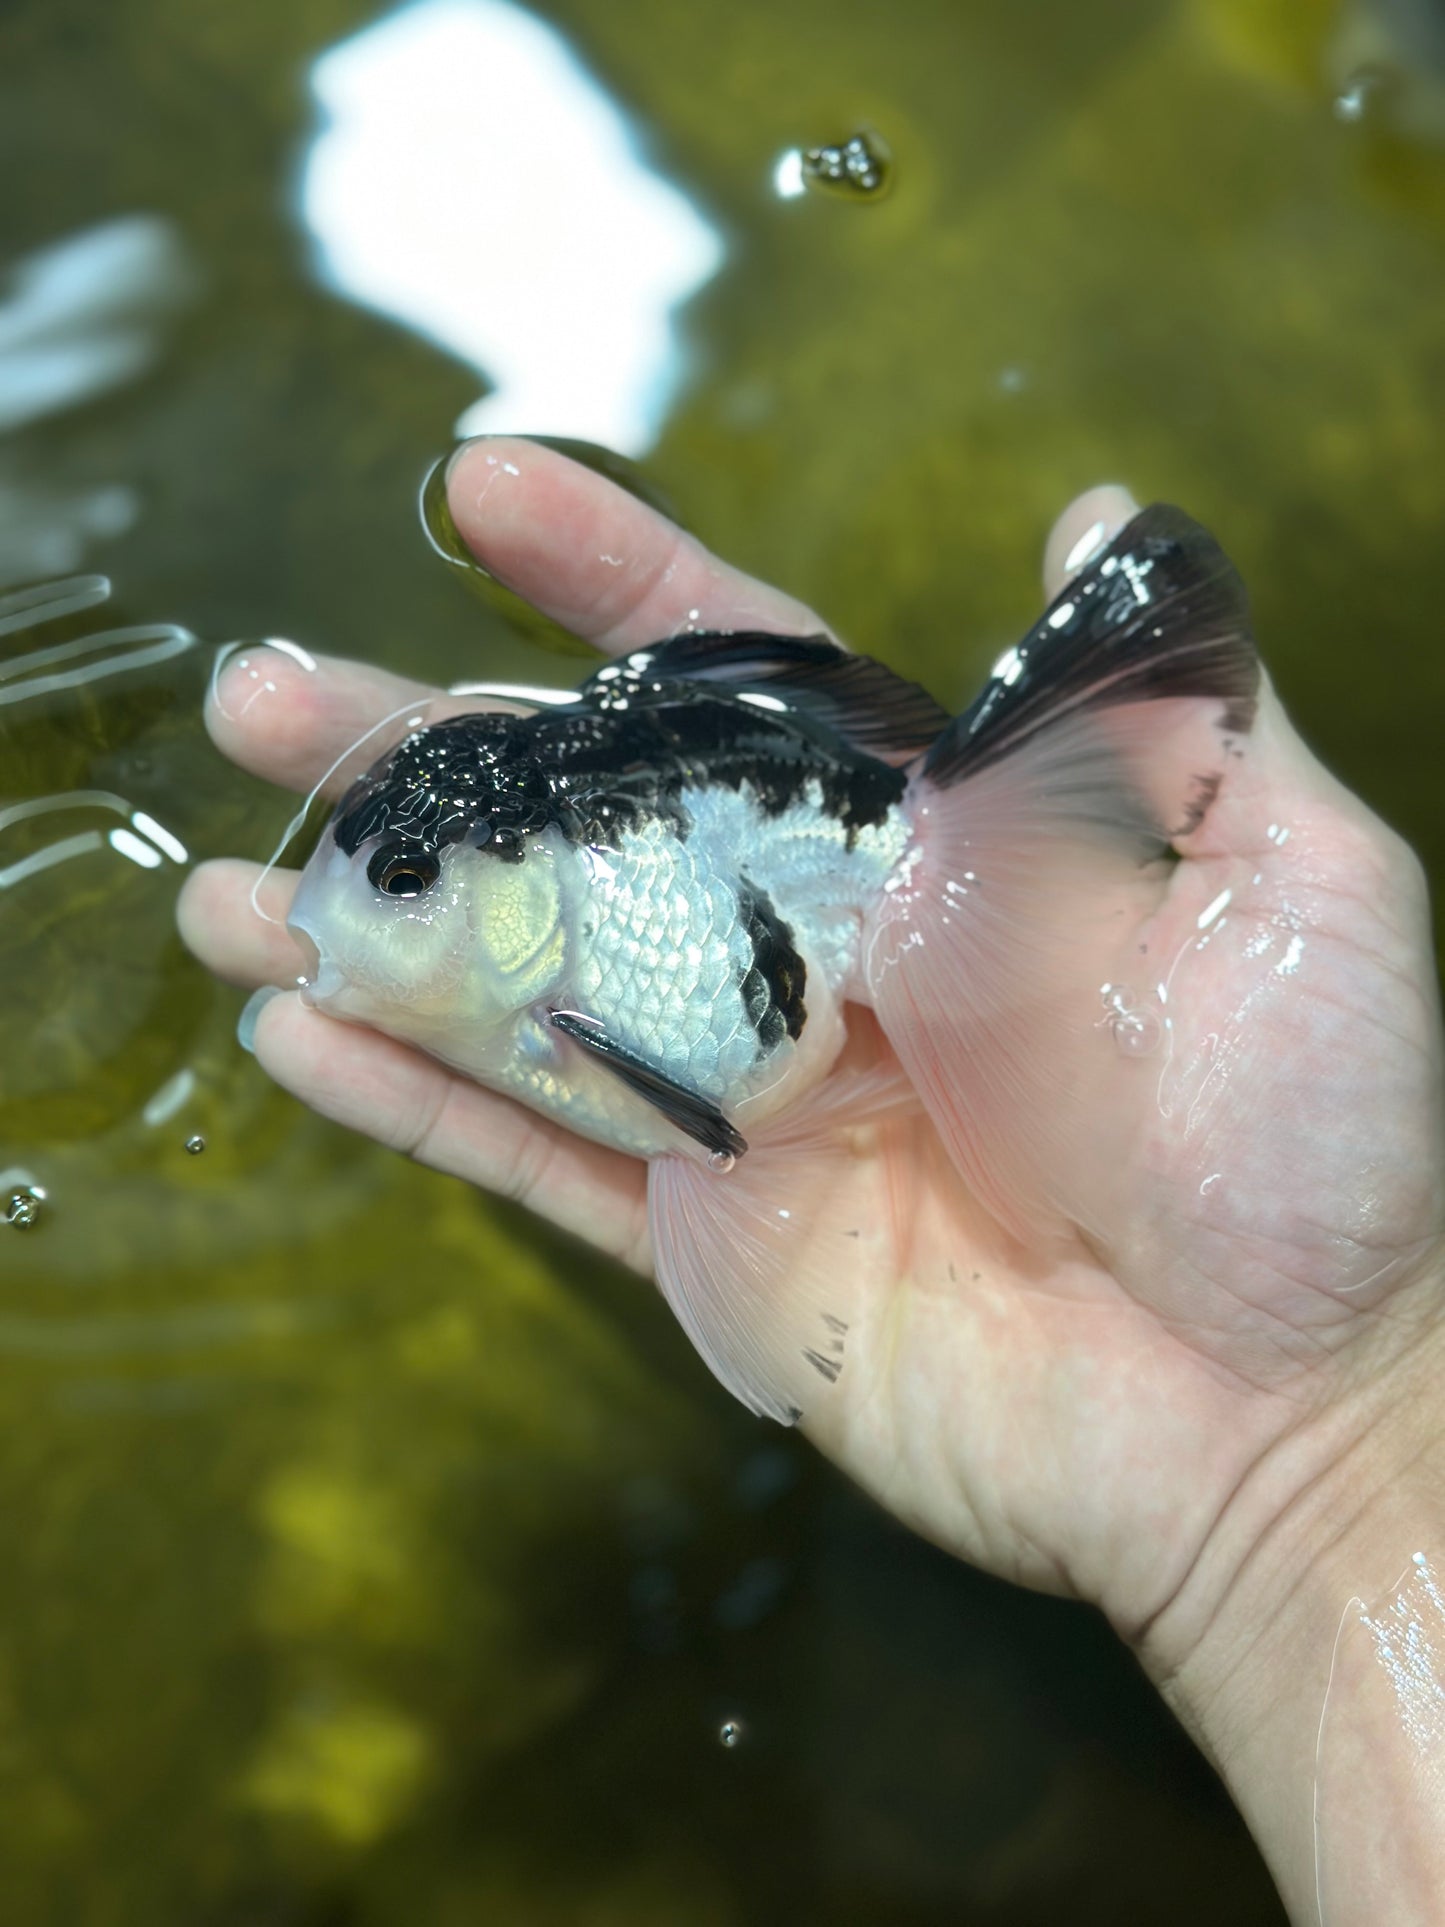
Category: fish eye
[403,872]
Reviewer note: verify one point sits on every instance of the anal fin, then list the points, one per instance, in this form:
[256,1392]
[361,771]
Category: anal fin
[761,1264]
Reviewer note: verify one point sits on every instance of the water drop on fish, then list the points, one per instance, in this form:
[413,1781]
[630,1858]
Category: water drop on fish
[721,1161]
[730,1732]
[22,1210]
[860,167]
[195,1144]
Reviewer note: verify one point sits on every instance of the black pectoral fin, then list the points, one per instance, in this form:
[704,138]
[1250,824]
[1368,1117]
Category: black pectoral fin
[697,1116]
[865,702]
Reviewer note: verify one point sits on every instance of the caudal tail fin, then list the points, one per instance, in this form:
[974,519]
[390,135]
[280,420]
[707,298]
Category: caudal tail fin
[1005,963]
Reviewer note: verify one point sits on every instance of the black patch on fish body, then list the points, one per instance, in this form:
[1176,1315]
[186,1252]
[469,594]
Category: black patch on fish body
[617,759]
[773,986]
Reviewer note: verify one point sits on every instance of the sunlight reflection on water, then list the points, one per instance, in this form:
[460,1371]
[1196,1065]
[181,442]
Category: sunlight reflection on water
[474,180]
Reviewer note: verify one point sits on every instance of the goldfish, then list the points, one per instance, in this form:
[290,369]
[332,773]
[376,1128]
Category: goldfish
[647,906]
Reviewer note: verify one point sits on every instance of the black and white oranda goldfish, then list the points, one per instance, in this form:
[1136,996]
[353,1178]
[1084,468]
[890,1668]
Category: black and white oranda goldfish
[645,908]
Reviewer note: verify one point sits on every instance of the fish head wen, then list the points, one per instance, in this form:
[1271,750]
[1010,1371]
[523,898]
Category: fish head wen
[416,911]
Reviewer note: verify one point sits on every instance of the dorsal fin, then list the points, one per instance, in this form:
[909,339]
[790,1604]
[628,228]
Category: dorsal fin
[866,703]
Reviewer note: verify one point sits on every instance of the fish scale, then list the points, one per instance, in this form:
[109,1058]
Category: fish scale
[663,970]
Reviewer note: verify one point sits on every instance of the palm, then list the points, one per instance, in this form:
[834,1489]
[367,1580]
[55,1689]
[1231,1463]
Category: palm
[1080,1425]
[1065,1422]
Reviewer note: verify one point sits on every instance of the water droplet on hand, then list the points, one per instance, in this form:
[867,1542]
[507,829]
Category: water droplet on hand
[1137,1029]
[22,1210]
[1137,1032]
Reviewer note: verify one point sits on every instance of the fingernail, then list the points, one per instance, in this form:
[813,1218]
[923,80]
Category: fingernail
[461,449]
[230,656]
[1116,503]
[1098,514]
[243,671]
[1088,545]
[1113,506]
[246,1023]
[436,515]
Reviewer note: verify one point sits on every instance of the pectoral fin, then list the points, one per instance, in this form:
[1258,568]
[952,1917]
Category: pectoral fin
[697,1116]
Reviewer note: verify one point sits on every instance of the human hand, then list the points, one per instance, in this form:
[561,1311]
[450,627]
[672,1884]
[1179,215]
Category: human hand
[1129,1419]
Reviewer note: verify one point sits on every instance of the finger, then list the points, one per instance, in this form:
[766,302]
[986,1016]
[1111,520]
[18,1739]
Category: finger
[232,916]
[583,549]
[1085,527]
[412,1104]
[593,557]
[290,717]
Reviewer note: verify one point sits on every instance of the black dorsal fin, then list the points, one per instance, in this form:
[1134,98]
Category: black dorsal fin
[867,704]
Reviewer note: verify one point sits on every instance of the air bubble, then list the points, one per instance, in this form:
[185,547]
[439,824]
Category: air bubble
[860,167]
[1137,1032]
[730,1732]
[22,1210]
[195,1144]
[721,1161]
[1137,1029]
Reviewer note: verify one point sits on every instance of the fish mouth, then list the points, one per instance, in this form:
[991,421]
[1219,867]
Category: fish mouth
[322,980]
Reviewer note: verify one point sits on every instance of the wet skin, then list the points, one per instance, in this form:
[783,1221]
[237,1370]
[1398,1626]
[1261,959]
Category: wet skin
[1142,1419]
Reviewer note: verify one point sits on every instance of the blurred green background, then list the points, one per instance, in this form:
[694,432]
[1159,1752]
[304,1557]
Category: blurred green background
[372,1555]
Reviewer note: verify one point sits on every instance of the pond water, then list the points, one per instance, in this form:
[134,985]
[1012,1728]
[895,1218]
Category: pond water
[371,1554]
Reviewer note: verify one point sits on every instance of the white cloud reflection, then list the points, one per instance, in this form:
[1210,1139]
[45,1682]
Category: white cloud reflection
[78,318]
[473,180]
[85,314]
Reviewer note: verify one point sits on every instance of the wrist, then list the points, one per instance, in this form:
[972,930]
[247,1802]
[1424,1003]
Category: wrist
[1306,1650]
